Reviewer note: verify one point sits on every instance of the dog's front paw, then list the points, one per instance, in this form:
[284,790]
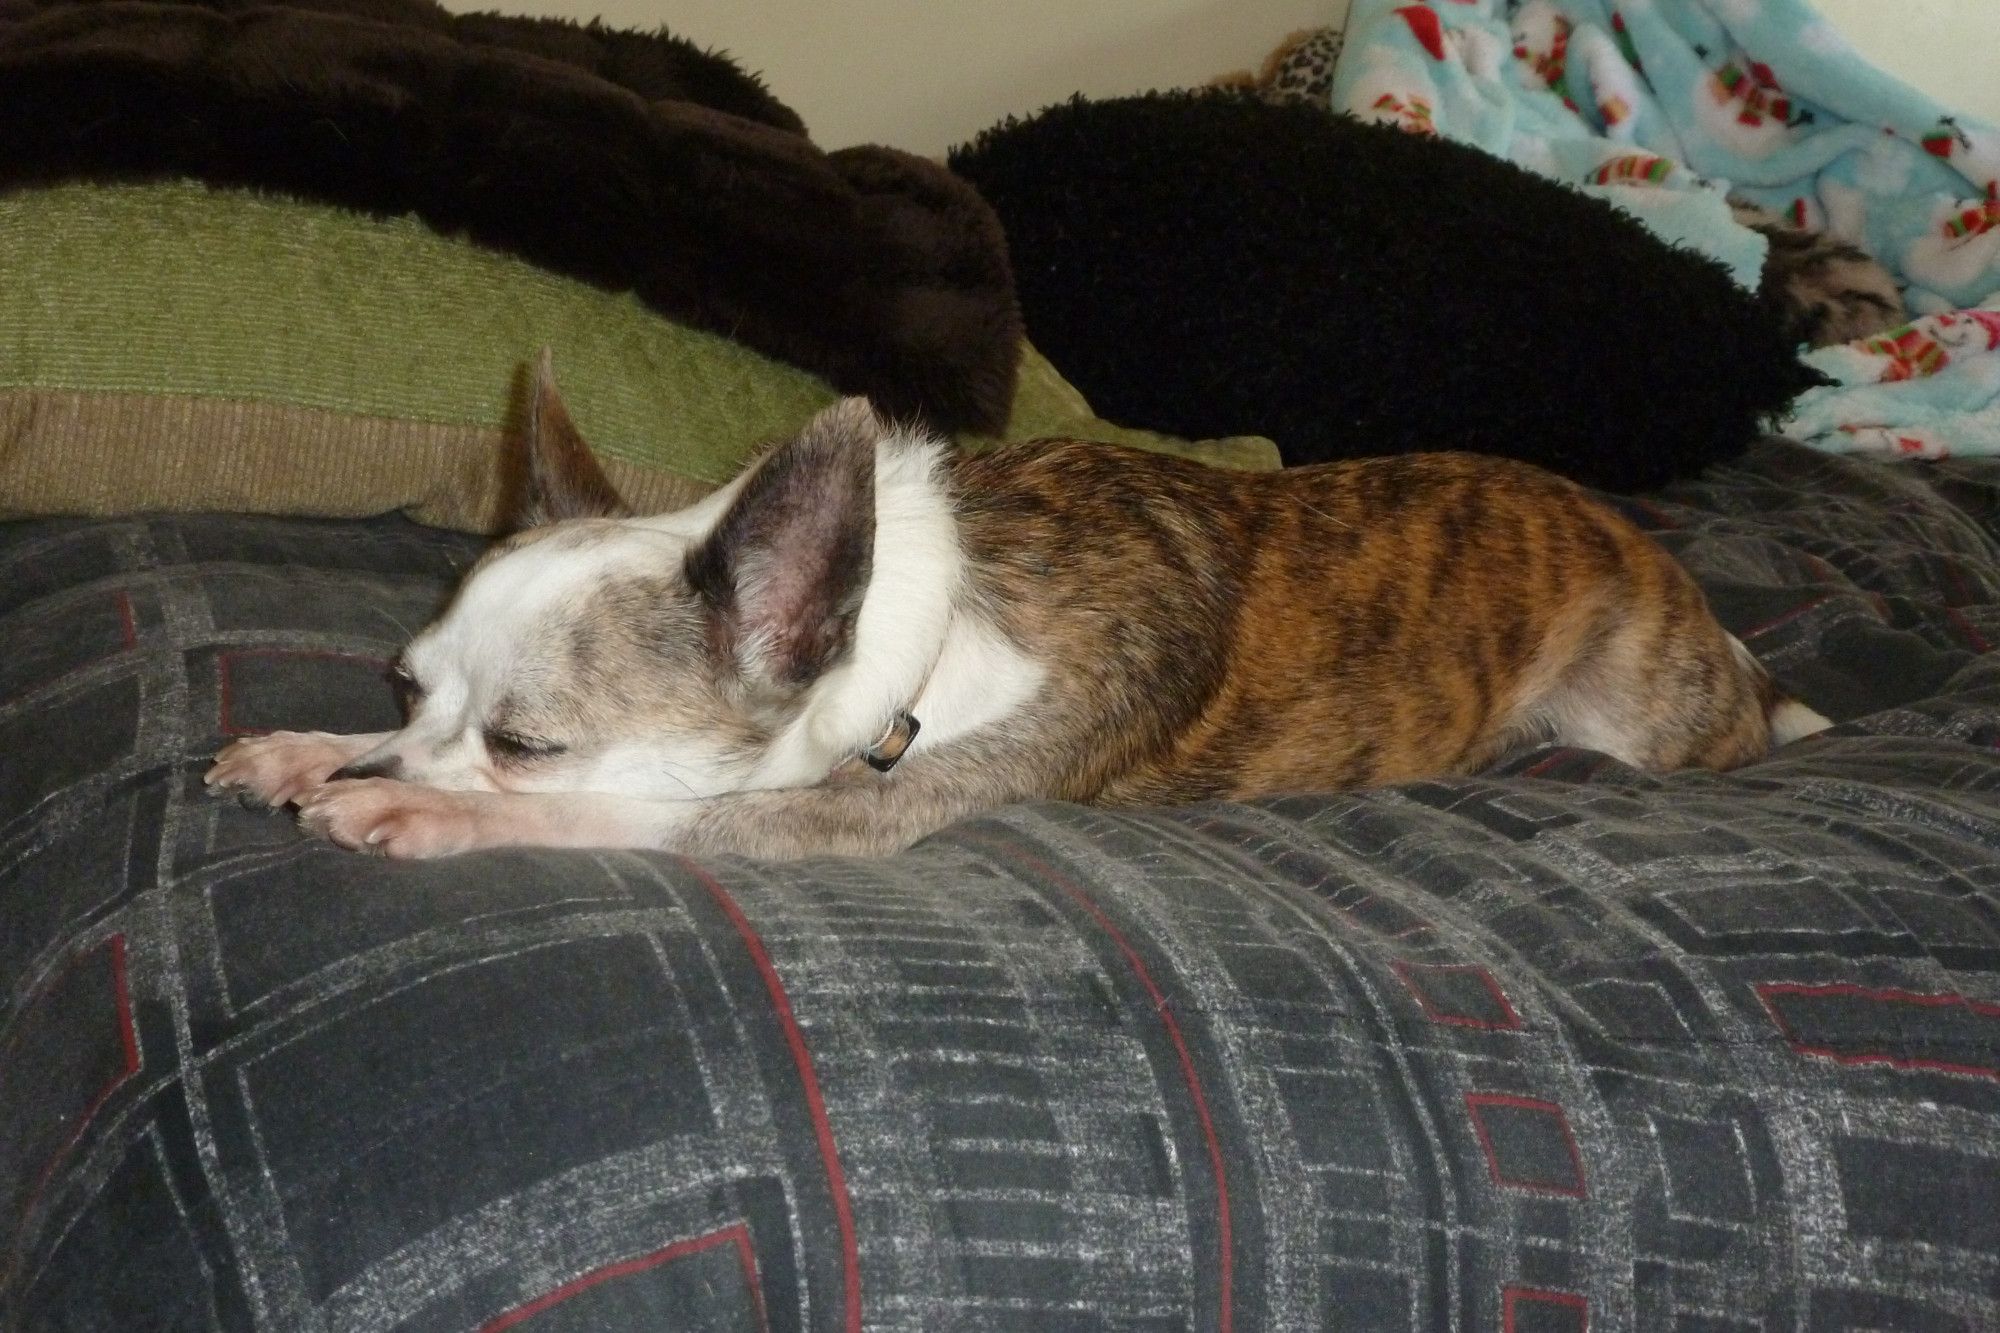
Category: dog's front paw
[398,819]
[278,768]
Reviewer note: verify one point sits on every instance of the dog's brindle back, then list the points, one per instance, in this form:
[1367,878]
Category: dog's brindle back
[1218,634]
[1334,626]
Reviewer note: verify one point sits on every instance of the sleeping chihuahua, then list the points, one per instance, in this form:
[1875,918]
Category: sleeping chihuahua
[868,635]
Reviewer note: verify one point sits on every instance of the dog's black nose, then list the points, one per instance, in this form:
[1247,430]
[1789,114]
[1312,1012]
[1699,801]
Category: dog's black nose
[381,768]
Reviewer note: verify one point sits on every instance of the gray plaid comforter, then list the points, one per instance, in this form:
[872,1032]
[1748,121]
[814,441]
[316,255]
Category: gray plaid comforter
[1560,1046]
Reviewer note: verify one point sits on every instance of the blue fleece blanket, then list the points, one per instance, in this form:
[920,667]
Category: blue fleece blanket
[1663,106]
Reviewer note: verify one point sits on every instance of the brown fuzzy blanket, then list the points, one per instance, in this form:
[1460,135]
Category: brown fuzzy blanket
[636,162]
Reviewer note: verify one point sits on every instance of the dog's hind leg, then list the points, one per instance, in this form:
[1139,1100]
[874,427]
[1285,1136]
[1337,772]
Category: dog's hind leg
[869,817]
[1660,685]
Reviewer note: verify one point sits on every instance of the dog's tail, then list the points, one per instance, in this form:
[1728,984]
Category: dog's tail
[1787,718]
[1793,721]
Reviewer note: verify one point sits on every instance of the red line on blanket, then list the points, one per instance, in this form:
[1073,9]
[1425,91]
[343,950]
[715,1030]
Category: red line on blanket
[1540,767]
[128,640]
[128,1039]
[1225,1243]
[746,1259]
[1889,995]
[1407,972]
[736,1234]
[836,1179]
[1966,627]
[1783,619]
[1892,994]
[1961,591]
[1475,1102]
[1568,1300]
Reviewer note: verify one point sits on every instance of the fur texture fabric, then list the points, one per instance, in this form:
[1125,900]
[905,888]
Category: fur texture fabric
[1211,264]
[635,162]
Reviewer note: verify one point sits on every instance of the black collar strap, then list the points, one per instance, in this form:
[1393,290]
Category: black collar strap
[883,754]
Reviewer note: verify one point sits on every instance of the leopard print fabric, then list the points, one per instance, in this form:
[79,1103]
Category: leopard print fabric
[1823,289]
[1301,70]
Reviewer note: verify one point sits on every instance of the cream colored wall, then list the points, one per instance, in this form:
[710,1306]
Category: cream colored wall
[1949,48]
[925,74]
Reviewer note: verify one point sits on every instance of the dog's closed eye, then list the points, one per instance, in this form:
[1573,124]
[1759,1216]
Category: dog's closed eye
[510,745]
[409,694]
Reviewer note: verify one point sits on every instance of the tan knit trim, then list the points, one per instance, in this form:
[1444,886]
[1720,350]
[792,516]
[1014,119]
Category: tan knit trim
[104,453]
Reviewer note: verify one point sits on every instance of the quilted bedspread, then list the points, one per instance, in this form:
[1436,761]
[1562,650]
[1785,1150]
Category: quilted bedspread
[1560,1046]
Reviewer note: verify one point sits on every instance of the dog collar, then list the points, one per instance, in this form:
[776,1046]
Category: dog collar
[883,754]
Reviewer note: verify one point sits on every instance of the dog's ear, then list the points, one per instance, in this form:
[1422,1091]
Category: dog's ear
[563,480]
[784,571]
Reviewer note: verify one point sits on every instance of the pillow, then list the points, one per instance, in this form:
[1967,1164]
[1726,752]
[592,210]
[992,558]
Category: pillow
[618,158]
[177,347]
[1211,263]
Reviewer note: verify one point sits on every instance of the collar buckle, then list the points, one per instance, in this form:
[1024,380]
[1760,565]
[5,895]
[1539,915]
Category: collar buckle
[883,754]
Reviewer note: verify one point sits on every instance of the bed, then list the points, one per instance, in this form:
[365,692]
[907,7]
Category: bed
[1559,1046]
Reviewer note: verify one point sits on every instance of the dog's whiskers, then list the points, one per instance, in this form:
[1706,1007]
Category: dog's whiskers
[668,770]
[404,630]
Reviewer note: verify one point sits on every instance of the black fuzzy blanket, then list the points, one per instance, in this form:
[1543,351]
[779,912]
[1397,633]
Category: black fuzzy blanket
[1214,265]
[636,162]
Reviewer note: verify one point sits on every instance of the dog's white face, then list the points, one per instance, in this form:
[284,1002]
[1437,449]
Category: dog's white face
[579,661]
[646,658]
